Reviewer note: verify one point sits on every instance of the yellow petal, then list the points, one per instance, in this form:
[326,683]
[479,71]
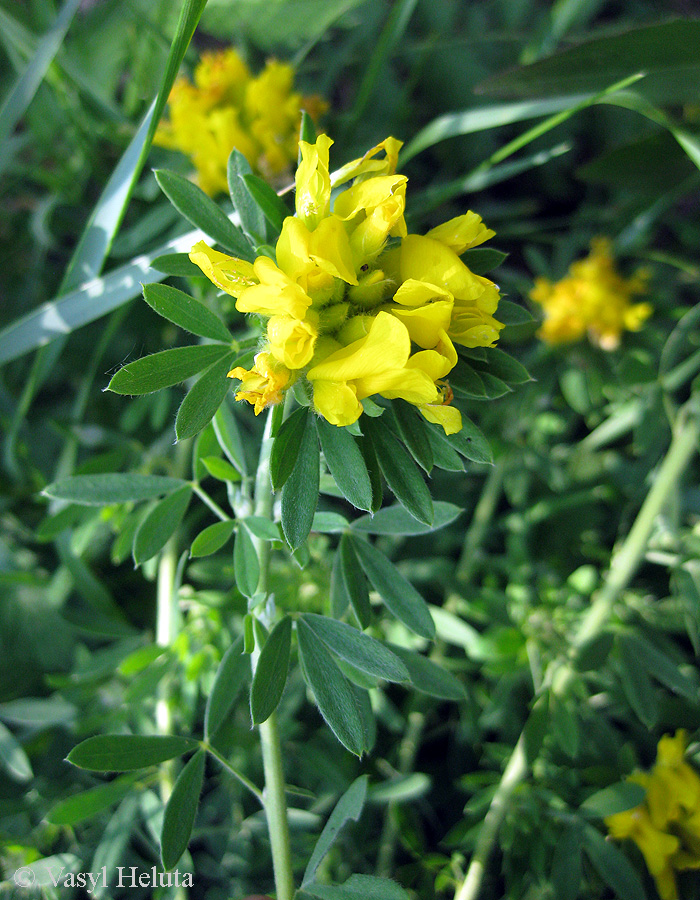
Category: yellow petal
[368,165]
[337,402]
[387,346]
[292,341]
[427,324]
[412,385]
[424,259]
[313,184]
[418,293]
[462,232]
[230,274]
[447,416]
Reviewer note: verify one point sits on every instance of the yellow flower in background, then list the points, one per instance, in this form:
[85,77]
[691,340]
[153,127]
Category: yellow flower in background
[355,306]
[593,300]
[227,107]
[666,826]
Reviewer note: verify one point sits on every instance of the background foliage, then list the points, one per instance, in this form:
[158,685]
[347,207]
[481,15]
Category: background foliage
[576,450]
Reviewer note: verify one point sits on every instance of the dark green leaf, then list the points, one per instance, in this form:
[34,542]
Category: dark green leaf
[395,520]
[185,311]
[613,866]
[482,260]
[375,475]
[12,756]
[180,811]
[160,523]
[126,752]
[300,491]
[536,728]
[399,595]
[213,538]
[102,490]
[177,264]
[339,597]
[566,866]
[401,473]
[465,382]
[659,665]
[203,400]
[513,313]
[494,387]
[359,887]
[329,522]
[334,696]
[345,463]
[428,677]
[505,367]
[614,799]
[307,130]
[203,213]
[445,456]
[262,528]
[228,682]
[272,206]
[359,649]
[354,582]
[166,368]
[471,443]
[348,807]
[271,672]
[246,565]
[285,448]
[229,437]
[251,216]
[414,431]
[637,686]
[78,807]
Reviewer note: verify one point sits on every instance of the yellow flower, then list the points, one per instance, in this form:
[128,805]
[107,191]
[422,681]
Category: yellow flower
[666,826]
[227,107]
[350,312]
[264,384]
[593,299]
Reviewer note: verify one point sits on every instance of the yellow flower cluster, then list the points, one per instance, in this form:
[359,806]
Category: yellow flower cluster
[593,299]
[353,303]
[228,107]
[666,827]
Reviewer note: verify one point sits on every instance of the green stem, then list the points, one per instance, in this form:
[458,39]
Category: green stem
[213,506]
[246,782]
[483,515]
[166,630]
[623,566]
[274,795]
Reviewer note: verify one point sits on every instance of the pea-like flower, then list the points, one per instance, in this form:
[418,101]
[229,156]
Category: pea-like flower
[666,826]
[354,305]
[227,107]
[593,300]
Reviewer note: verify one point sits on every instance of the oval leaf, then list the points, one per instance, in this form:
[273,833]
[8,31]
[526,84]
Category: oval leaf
[285,447]
[354,582]
[359,649]
[82,806]
[181,810]
[228,682]
[114,487]
[246,565]
[348,807]
[161,370]
[414,432]
[300,492]
[334,697]
[212,538]
[185,311]
[395,520]
[127,752]
[401,473]
[399,595]
[345,463]
[614,799]
[430,678]
[203,400]
[271,672]
[160,523]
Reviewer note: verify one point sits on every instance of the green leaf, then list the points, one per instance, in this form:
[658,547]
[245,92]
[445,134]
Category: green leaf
[273,208]
[566,865]
[348,807]
[82,806]
[12,756]
[221,469]
[614,799]
[114,487]
[613,866]
[401,473]
[399,595]
[401,789]
[246,565]
[203,399]
[375,475]
[359,887]
[465,382]
[127,752]
[513,313]
[666,53]
[345,463]
[300,491]
[359,649]
[471,443]
[251,216]
[262,528]
[229,437]
[414,431]
[165,368]
[228,683]
[637,686]
[185,311]
[505,367]
[354,582]
[660,666]
[536,727]
[285,448]
[202,212]
[334,696]
[176,264]
[160,523]
[307,130]
[445,456]
[213,538]
[180,811]
[271,672]
[430,678]
[396,520]
[482,260]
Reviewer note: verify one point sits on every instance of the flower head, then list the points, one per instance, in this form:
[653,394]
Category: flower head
[227,107]
[355,306]
[666,826]
[593,299]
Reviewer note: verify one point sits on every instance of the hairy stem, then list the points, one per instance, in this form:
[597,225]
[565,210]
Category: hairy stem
[624,564]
